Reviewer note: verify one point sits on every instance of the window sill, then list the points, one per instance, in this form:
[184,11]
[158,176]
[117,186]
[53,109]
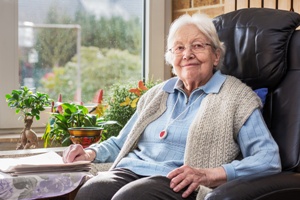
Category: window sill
[29,152]
[10,139]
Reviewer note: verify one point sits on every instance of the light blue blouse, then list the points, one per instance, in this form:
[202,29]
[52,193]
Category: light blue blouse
[155,156]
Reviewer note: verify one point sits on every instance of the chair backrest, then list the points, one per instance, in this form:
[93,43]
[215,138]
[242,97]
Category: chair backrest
[263,50]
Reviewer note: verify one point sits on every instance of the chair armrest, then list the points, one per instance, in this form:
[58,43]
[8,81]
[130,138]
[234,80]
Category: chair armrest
[282,186]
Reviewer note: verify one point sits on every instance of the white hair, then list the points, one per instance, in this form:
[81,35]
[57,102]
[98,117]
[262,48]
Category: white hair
[204,24]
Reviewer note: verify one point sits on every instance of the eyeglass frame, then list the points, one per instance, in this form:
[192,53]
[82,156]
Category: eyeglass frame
[191,47]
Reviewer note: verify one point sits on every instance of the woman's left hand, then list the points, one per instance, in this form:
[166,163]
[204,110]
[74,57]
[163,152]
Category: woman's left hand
[191,178]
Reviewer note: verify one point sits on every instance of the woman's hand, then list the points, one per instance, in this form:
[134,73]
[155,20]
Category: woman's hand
[191,178]
[75,152]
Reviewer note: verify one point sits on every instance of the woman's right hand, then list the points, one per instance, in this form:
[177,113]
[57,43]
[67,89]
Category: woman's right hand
[75,152]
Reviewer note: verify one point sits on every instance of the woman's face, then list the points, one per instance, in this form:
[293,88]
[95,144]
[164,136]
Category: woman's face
[194,58]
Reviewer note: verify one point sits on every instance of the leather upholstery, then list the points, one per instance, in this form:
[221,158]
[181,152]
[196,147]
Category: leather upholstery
[263,50]
[282,111]
[256,43]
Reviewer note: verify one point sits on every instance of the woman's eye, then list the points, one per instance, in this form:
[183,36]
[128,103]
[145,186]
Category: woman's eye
[197,46]
[180,48]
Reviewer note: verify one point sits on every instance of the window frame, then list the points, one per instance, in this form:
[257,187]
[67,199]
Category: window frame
[155,31]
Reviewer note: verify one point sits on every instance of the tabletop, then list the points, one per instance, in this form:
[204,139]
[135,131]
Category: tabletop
[41,185]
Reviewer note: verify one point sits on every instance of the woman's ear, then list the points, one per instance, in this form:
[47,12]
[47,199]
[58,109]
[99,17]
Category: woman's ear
[217,54]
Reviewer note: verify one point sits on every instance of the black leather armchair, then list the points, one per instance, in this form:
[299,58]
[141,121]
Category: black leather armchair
[263,50]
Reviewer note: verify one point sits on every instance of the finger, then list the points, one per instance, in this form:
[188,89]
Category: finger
[177,180]
[84,156]
[182,184]
[72,152]
[66,153]
[80,158]
[174,173]
[192,187]
[76,152]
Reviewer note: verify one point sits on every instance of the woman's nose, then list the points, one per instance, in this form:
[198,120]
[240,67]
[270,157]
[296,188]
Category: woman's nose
[188,53]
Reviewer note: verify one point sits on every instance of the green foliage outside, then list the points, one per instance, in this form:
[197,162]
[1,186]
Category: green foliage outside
[114,32]
[110,53]
[55,46]
[100,69]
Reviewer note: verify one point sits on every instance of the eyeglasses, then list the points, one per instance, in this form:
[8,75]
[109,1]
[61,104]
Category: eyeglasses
[196,47]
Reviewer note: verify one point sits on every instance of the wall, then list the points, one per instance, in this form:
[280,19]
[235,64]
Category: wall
[214,8]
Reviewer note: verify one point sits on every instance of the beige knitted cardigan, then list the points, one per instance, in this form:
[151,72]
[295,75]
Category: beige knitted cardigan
[211,139]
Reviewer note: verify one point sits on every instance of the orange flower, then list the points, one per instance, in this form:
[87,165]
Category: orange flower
[135,91]
[141,86]
[138,91]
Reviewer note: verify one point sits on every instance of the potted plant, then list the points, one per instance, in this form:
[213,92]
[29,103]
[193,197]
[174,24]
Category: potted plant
[29,105]
[122,103]
[67,117]
[72,122]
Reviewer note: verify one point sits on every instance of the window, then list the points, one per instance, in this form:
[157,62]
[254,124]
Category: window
[75,48]
[28,66]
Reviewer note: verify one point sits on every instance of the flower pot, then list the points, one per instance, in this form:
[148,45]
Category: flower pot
[85,135]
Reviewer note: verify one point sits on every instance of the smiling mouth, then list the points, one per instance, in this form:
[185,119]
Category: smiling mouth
[190,65]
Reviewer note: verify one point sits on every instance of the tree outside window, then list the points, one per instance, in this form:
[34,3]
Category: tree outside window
[111,47]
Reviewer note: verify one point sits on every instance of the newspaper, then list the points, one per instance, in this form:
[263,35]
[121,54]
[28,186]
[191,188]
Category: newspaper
[46,162]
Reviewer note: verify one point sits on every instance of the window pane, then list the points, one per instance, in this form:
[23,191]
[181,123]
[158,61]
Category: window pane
[75,47]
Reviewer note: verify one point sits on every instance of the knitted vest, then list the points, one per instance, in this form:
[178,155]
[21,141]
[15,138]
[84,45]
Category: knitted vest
[212,135]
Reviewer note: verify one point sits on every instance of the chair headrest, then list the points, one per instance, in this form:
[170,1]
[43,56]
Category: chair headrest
[256,41]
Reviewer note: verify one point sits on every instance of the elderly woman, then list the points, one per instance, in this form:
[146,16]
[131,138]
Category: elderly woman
[187,132]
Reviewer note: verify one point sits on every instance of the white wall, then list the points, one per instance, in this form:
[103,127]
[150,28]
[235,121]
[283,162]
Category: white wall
[158,19]
[8,60]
